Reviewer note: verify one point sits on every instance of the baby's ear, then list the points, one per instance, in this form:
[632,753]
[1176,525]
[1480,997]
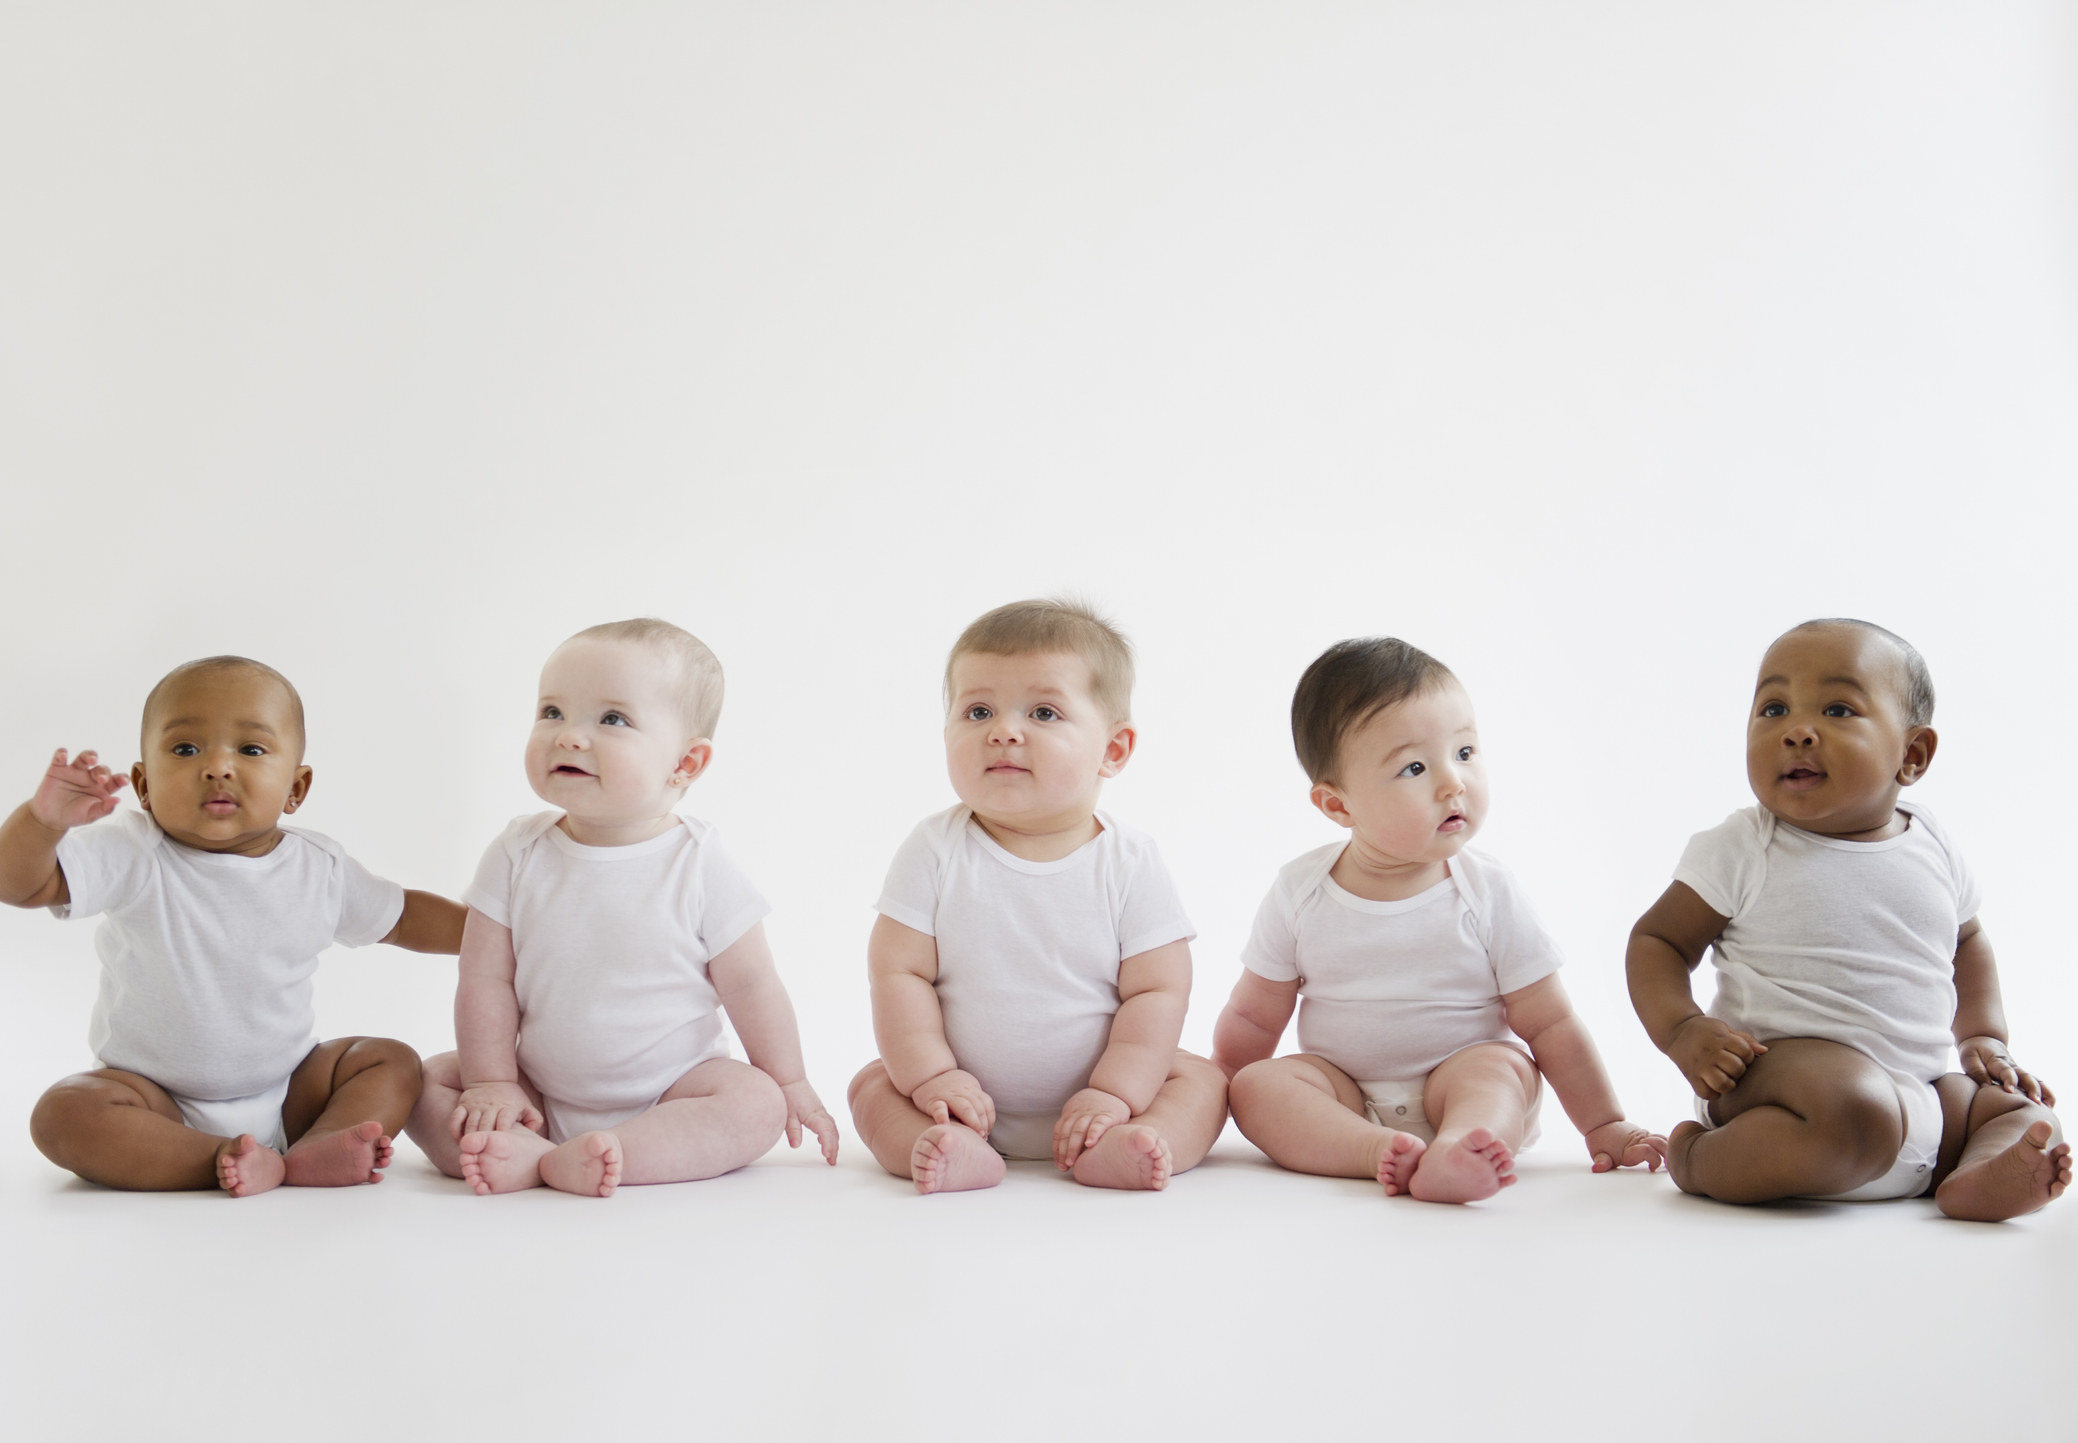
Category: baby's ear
[1330,803]
[1919,755]
[698,753]
[138,788]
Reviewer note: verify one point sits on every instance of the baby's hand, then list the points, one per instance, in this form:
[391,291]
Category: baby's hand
[1089,1114]
[1625,1144]
[1712,1055]
[955,1096]
[74,793]
[1988,1064]
[495,1107]
[804,1108]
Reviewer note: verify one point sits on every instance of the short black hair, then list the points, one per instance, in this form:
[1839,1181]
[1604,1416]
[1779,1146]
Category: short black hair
[1919,682]
[1348,684]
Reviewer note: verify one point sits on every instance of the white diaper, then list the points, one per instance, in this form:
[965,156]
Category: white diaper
[1026,1135]
[259,1115]
[1914,1168]
[1398,1105]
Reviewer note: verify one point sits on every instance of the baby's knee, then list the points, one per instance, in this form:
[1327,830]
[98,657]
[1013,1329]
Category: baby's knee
[1865,1123]
[872,1072]
[366,1052]
[1245,1088]
[763,1103]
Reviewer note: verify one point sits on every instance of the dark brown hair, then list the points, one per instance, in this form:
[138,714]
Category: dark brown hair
[1918,691]
[1348,684]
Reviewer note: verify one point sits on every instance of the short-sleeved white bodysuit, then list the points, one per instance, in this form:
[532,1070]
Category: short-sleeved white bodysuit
[1389,990]
[1028,956]
[1853,942]
[207,958]
[611,947]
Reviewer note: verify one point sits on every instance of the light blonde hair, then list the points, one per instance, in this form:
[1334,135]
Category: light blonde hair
[699,673]
[1057,624]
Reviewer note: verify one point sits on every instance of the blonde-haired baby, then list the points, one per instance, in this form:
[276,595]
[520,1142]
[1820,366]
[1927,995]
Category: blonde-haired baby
[1031,962]
[1419,960]
[601,937]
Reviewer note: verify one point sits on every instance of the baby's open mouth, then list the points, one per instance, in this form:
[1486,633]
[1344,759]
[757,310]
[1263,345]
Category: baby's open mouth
[1452,822]
[570,772]
[1800,777]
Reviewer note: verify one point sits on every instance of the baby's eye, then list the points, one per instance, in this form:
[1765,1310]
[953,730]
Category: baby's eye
[186,749]
[977,712]
[549,713]
[614,719]
[252,749]
[1043,712]
[1414,769]
[1839,709]
[1774,708]
[1464,754]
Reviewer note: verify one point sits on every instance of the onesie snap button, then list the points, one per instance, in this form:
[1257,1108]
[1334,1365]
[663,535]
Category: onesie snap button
[1401,1111]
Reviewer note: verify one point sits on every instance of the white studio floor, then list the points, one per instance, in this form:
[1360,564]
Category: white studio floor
[792,1301]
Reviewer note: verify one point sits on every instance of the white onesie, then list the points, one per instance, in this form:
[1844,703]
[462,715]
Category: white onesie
[612,946]
[1388,990]
[1028,956]
[1853,942]
[206,959]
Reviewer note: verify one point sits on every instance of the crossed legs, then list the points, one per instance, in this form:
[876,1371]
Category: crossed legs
[345,1102]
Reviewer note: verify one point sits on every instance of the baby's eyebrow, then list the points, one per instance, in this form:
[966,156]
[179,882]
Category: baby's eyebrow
[1847,681]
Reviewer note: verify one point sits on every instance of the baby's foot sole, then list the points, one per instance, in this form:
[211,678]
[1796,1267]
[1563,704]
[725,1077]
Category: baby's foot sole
[243,1167]
[588,1165]
[2024,1177]
[1131,1156]
[952,1158]
[1476,1166]
[1397,1161]
[352,1155]
[502,1161]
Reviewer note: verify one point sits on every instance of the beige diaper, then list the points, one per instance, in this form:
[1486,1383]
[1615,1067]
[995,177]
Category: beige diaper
[1914,1168]
[1398,1105]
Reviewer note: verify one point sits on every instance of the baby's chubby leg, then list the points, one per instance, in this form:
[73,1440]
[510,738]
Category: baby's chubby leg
[1477,1100]
[1308,1115]
[1171,1136]
[1810,1118]
[2002,1155]
[904,1140]
[122,1130]
[719,1116]
[347,1100]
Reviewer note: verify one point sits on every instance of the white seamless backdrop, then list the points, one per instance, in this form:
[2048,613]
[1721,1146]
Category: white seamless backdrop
[1586,346]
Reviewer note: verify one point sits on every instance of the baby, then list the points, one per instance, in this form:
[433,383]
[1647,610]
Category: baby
[601,936]
[1031,962]
[1416,955]
[1849,962]
[214,914]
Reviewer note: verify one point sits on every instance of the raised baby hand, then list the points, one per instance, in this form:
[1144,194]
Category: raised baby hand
[1988,1064]
[494,1107]
[1712,1055]
[955,1096]
[73,793]
[1625,1144]
[805,1109]
[1089,1114]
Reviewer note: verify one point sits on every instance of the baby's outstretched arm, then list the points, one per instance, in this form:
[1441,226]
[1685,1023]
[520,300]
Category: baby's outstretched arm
[763,1015]
[1666,945]
[1980,1020]
[428,923]
[487,1017]
[1542,1015]
[1253,1020]
[73,792]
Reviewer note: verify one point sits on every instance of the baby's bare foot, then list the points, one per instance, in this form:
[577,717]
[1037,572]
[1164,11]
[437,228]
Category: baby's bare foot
[588,1165]
[502,1161]
[243,1167]
[1680,1143]
[1476,1166]
[338,1159]
[952,1158]
[1131,1155]
[1397,1159]
[2019,1180]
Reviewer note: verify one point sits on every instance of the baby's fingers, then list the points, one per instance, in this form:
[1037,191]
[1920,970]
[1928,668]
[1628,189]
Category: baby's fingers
[793,1128]
[825,1129]
[455,1119]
